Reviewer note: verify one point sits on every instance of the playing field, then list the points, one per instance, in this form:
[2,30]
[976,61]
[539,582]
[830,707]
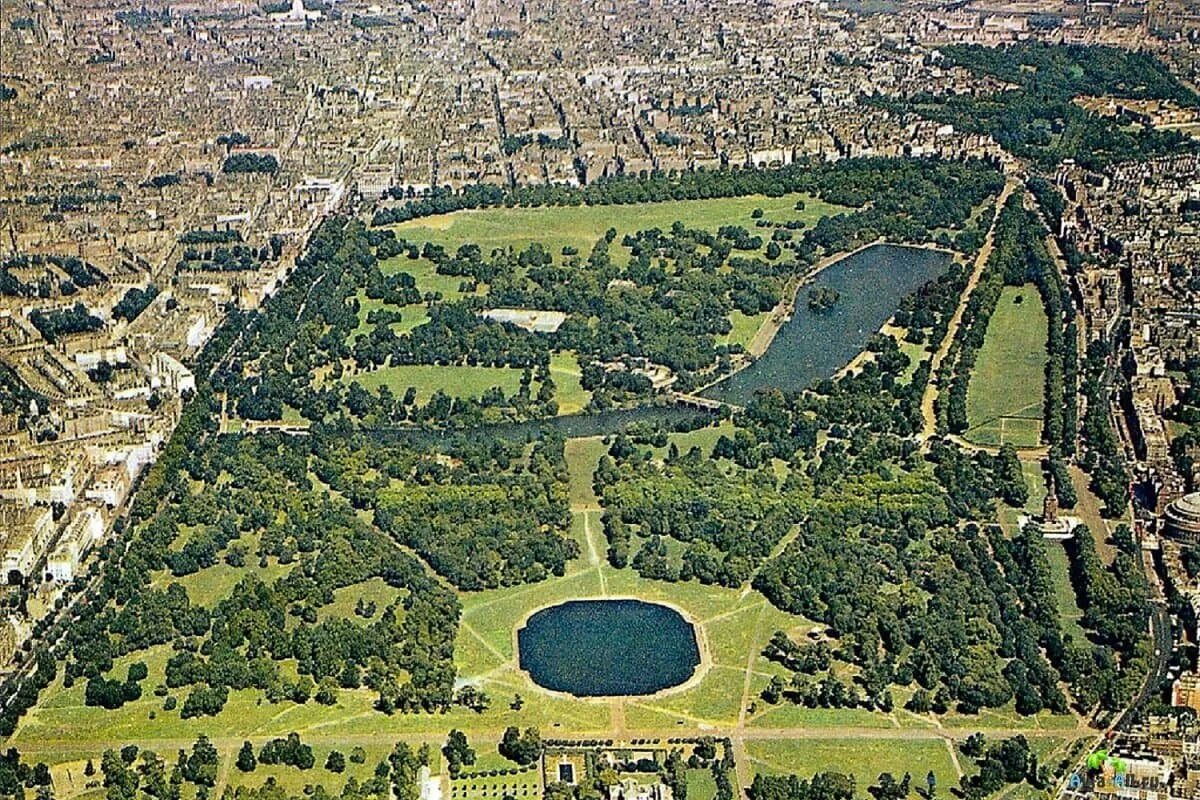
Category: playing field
[1004,399]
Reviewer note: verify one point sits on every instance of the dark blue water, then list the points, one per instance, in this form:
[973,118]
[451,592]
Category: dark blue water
[601,648]
[812,345]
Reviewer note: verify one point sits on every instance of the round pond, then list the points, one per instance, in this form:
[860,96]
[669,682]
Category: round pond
[602,648]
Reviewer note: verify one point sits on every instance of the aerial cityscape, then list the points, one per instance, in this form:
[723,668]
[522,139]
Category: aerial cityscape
[599,399]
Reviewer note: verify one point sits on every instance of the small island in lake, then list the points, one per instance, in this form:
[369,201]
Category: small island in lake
[822,298]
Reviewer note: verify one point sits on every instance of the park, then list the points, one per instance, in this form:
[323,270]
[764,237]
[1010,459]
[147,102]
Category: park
[358,535]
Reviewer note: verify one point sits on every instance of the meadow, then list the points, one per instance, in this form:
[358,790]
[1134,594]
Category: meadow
[580,226]
[1004,398]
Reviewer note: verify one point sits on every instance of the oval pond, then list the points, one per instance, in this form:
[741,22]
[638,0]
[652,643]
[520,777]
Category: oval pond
[602,648]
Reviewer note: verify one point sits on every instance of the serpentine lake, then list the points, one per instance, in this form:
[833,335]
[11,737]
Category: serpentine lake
[815,344]
[604,648]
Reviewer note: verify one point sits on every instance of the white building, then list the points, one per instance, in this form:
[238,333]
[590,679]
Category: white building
[84,530]
[24,533]
[168,373]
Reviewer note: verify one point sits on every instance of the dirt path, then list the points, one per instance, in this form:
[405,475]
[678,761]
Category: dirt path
[1089,509]
[776,551]
[593,553]
[742,711]
[1037,452]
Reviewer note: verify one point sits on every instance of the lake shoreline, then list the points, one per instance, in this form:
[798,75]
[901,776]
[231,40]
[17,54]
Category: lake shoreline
[704,660]
[872,280]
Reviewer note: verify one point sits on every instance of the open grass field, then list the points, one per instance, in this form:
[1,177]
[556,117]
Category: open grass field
[1004,399]
[1068,606]
[571,396]
[704,438]
[581,226]
[734,625]
[426,276]
[211,585]
[555,227]
[701,785]
[468,381]
[744,327]
[582,455]
[411,316]
[456,381]
[864,759]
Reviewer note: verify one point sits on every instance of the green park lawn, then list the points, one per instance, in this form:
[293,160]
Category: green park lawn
[701,785]
[581,226]
[456,381]
[556,227]
[1004,398]
[425,274]
[213,584]
[734,625]
[582,456]
[744,327]
[475,784]
[1064,593]
[411,316]
[565,371]
[467,381]
[863,758]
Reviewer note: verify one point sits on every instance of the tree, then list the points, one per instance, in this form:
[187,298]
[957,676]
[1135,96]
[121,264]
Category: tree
[290,751]
[336,762]
[773,691]
[246,761]
[200,766]
[523,748]
[888,788]
[973,745]
[457,752]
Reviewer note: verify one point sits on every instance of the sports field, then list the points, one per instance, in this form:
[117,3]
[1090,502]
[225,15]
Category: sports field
[1004,398]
